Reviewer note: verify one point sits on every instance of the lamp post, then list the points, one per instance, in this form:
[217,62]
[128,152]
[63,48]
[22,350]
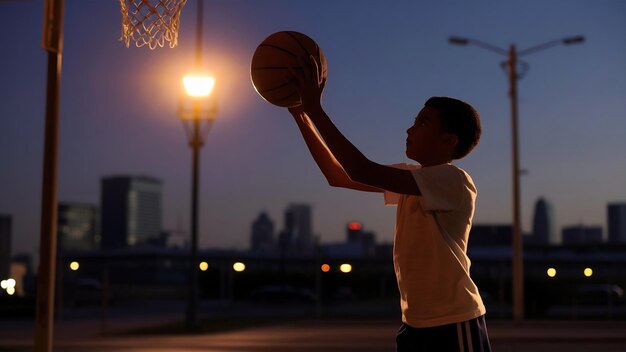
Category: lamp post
[197,113]
[511,67]
[197,118]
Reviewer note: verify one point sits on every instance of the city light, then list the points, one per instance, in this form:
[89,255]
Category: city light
[345,268]
[239,267]
[325,268]
[551,272]
[8,285]
[204,266]
[588,272]
[355,226]
[74,266]
[198,86]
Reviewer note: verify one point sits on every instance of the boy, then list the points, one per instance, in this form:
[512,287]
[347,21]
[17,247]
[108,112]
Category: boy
[441,307]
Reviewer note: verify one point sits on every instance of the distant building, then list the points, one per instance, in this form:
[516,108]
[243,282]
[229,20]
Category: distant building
[543,223]
[131,212]
[483,235]
[356,235]
[581,234]
[5,246]
[77,227]
[616,219]
[262,236]
[297,234]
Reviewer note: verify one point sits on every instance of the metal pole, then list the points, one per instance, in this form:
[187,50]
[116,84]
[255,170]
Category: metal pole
[199,25]
[195,143]
[53,43]
[518,263]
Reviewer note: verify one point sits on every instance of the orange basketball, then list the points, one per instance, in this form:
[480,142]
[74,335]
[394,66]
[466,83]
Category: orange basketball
[271,62]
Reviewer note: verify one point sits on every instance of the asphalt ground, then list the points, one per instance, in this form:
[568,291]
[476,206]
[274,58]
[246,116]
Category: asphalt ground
[236,329]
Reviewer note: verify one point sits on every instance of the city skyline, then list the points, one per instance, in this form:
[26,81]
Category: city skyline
[118,109]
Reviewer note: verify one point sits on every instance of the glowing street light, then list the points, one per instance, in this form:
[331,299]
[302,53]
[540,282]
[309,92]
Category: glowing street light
[588,272]
[325,268]
[204,266]
[74,266]
[345,268]
[198,86]
[239,267]
[551,272]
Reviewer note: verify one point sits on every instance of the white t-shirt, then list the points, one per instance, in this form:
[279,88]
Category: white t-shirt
[430,244]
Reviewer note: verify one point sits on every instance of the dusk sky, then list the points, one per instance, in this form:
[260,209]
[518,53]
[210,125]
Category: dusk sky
[385,58]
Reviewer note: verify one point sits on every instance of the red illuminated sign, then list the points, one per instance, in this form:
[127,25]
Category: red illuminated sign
[355,226]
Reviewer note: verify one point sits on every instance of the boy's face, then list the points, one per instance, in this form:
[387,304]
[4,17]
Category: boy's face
[426,141]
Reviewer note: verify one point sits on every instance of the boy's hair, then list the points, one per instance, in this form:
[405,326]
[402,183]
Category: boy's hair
[460,119]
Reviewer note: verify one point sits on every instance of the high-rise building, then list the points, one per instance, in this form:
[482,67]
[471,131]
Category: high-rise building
[262,236]
[543,223]
[484,235]
[5,246]
[616,219]
[298,231]
[130,211]
[358,236]
[77,227]
[580,234]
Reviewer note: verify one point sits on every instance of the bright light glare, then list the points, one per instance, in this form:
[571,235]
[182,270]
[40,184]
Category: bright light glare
[325,268]
[74,266]
[199,86]
[4,284]
[551,272]
[11,283]
[345,268]
[239,267]
[588,272]
[10,290]
[204,266]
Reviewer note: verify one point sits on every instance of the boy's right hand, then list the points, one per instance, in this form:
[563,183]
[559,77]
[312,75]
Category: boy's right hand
[308,83]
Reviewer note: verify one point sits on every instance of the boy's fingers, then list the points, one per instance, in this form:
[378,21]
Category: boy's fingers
[315,70]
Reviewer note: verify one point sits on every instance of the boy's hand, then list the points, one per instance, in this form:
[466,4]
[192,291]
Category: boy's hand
[308,82]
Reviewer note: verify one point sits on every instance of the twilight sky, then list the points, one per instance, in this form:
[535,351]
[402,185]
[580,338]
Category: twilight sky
[118,108]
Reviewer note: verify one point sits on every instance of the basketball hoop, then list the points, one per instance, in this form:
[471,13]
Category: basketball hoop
[151,22]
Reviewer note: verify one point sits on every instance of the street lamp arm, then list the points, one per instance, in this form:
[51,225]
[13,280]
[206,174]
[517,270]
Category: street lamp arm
[479,43]
[565,41]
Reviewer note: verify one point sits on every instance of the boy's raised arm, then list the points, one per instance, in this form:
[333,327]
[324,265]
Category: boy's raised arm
[356,165]
[334,173]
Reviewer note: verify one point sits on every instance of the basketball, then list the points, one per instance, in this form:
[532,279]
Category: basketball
[271,62]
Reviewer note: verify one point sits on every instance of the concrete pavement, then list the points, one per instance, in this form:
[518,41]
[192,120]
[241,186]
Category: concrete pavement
[297,333]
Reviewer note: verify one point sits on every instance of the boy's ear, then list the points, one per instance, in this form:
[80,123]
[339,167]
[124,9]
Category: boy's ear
[451,140]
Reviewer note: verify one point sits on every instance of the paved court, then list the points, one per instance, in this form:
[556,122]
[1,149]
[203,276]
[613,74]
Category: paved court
[343,335]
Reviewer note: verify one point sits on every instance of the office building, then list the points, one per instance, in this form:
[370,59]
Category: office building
[298,231]
[77,227]
[357,235]
[262,236]
[131,212]
[485,235]
[5,246]
[616,219]
[581,234]
[543,223]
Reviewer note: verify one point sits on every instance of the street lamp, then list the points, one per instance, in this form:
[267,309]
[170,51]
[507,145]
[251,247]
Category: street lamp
[197,112]
[511,67]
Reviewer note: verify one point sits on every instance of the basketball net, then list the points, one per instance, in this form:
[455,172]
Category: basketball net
[151,22]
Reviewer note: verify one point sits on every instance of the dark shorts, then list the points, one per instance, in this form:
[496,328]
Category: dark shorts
[467,336]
